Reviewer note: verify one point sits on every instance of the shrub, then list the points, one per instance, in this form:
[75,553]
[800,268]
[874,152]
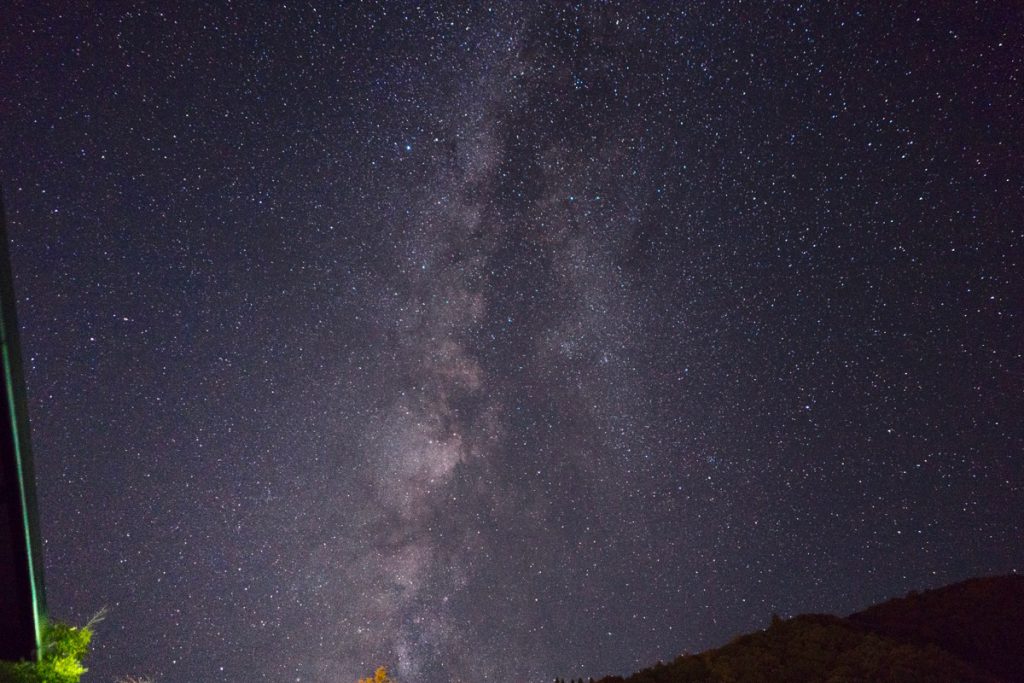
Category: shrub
[64,648]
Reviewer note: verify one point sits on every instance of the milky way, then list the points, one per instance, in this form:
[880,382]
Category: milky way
[513,341]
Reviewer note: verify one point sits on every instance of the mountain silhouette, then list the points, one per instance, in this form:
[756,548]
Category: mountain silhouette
[970,632]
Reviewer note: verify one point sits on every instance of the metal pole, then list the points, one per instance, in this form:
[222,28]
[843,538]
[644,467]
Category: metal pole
[22,596]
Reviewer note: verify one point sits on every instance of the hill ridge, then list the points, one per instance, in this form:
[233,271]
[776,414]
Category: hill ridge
[970,631]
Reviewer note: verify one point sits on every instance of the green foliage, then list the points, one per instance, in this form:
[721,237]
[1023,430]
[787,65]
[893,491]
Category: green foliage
[64,648]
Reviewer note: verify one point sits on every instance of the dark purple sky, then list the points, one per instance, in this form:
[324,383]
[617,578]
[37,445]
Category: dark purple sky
[508,342]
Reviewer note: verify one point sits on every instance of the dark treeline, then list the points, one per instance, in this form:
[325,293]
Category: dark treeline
[971,631]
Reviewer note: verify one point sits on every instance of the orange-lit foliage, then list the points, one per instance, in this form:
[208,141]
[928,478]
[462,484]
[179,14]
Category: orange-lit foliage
[379,676]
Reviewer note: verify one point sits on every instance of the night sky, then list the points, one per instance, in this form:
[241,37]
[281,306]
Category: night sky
[495,342]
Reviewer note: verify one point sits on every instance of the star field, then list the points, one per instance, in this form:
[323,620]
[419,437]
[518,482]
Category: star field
[506,341]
